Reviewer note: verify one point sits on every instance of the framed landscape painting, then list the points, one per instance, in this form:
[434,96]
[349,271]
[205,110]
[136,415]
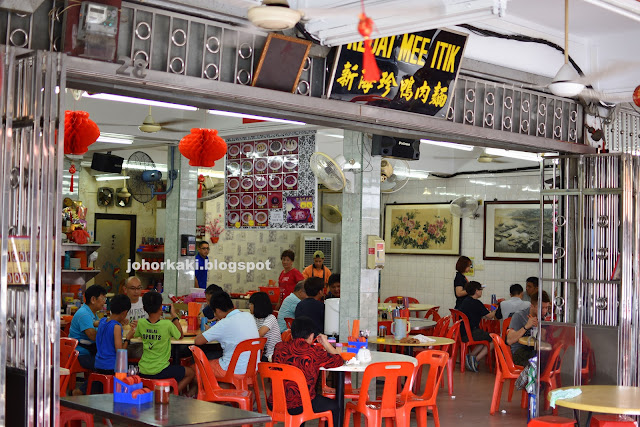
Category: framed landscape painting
[512,231]
[427,229]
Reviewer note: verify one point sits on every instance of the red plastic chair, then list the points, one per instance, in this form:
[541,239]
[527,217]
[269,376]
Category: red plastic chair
[552,421]
[208,388]
[433,313]
[551,373]
[288,321]
[68,415]
[506,370]
[349,391]
[286,335]
[388,406]
[465,346]
[395,299]
[607,420]
[436,360]
[245,381]
[105,380]
[505,325]
[442,325]
[278,374]
[68,345]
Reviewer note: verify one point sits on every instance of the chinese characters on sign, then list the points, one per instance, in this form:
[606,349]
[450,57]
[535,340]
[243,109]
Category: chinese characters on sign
[418,72]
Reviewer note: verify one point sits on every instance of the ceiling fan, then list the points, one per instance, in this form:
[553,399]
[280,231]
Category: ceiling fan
[567,83]
[149,125]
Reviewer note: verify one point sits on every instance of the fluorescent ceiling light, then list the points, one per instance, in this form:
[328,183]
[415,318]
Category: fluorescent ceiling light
[111,177]
[130,100]
[417,174]
[212,174]
[521,155]
[249,116]
[622,7]
[448,145]
[115,138]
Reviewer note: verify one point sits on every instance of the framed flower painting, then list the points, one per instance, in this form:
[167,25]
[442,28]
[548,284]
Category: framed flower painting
[427,229]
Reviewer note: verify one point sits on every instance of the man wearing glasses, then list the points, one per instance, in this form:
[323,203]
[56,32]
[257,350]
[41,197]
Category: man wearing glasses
[201,264]
[133,289]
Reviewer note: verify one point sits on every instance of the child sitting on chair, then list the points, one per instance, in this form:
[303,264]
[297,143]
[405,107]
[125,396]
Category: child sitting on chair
[156,334]
[109,336]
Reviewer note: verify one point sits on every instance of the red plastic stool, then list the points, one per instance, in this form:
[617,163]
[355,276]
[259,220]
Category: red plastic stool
[151,384]
[552,420]
[606,420]
[105,380]
[186,361]
[68,415]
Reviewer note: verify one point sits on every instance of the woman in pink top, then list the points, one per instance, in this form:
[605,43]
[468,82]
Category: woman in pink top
[289,275]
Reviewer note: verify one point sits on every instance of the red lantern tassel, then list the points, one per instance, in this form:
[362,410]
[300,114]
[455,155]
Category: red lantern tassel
[200,185]
[72,170]
[199,190]
[370,70]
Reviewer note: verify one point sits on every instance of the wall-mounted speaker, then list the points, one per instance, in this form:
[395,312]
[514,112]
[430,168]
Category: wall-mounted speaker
[398,148]
[106,163]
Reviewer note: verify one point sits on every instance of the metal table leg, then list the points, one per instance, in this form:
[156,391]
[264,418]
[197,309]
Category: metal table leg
[340,396]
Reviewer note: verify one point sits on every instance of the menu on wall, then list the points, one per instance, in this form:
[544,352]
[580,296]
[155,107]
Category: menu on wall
[268,181]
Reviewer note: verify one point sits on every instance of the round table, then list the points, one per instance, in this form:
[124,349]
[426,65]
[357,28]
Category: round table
[412,307]
[532,342]
[389,340]
[418,323]
[606,399]
[376,356]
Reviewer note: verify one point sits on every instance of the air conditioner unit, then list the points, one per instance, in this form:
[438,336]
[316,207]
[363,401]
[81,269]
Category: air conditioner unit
[325,242]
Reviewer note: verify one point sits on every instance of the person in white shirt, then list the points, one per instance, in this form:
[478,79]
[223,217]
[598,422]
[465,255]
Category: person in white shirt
[514,304]
[133,289]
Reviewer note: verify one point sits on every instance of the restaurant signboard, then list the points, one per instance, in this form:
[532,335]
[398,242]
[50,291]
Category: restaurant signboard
[417,72]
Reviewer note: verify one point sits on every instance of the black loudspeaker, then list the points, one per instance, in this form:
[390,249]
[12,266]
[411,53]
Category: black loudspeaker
[395,147]
[106,163]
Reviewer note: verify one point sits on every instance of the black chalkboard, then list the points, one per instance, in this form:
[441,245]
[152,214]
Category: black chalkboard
[281,63]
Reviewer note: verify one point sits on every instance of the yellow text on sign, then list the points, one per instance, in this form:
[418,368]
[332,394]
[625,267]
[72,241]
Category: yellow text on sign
[413,48]
[444,56]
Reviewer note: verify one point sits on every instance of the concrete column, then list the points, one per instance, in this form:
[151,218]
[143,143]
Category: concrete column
[360,218]
[180,219]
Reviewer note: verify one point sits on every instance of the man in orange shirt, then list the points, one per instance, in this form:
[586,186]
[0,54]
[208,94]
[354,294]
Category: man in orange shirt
[317,269]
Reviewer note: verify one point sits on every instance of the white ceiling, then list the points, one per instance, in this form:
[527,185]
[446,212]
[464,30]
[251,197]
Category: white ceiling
[602,32]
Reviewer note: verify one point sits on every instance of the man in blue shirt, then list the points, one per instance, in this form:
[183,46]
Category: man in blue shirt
[233,327]
[201,264]
[84,324]
[288,307]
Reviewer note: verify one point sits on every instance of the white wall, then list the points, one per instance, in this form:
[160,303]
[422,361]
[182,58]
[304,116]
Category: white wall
[430,278]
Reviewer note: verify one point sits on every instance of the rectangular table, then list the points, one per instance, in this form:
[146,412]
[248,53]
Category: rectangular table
[181,411]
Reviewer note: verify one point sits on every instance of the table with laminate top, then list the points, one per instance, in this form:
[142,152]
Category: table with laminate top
[180,411]
[605,399]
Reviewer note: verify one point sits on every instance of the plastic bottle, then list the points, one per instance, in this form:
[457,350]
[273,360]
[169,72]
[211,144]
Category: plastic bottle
[121,364]
[67,260]
[80,295]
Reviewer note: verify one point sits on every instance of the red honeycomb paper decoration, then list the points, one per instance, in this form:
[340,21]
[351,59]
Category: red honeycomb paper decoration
[636,96]
[79,132]
[203,147]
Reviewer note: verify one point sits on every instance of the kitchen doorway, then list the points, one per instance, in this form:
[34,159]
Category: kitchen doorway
[116,234]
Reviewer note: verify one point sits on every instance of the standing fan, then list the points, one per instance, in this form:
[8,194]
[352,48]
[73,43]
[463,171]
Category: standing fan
[394,174]
[143,176]
[328,171]
[464,207]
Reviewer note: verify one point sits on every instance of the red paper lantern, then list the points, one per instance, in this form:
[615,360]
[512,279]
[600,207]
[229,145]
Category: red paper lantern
[636,96]
[79,132]
[203,147]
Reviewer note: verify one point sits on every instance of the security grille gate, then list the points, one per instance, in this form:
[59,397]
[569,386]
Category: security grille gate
[30,182]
